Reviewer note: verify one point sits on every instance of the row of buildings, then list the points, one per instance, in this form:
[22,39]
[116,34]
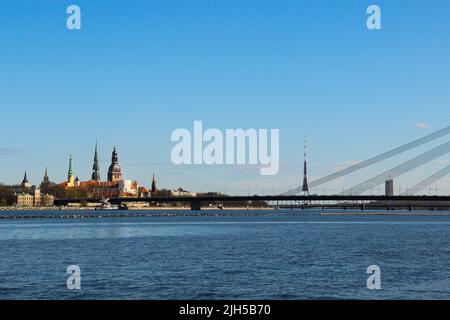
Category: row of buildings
[27,195]
[34,198]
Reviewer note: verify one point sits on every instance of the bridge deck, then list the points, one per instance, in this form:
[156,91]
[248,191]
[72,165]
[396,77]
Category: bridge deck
[197,201]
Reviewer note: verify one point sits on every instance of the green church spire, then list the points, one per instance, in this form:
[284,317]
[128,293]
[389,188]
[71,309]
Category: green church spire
[96,167]
[70,172]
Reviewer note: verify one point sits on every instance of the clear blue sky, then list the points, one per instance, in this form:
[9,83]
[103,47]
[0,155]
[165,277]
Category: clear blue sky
[139,69]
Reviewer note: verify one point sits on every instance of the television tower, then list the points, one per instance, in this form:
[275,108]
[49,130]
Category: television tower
[305,188]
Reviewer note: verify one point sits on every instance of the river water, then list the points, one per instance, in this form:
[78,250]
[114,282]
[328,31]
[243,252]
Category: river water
[276,255]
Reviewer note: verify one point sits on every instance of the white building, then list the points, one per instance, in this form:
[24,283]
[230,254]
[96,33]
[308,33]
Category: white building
[182,193]
[128,187]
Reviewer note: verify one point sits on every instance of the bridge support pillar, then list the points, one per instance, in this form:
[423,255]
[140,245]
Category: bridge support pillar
[122,206]
[196,205]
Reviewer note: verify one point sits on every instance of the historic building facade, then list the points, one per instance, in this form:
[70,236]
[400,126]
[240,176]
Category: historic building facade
[24,200]
[34,198]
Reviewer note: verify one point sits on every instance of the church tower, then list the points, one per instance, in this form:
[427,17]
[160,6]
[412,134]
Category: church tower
[46,183]
[154,184]
[46,180]
[96,167]
[70,176]
[114,171]
[25,183]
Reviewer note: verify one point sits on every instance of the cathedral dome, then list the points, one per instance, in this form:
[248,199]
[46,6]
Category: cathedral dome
[115,168]
[114,171]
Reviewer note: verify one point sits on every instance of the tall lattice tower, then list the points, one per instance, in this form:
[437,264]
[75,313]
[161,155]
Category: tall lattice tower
[305,188]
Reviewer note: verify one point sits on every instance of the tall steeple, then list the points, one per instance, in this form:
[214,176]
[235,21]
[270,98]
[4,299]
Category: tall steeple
[25,182]
[305,188]
[45,184]
[46,180]
[70,171]
[115,157]
[70,176]
[96,167]
[153,184]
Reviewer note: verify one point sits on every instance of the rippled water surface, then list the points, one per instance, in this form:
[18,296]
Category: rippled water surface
[276,256]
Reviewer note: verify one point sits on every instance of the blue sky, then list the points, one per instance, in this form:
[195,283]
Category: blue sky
[137,70]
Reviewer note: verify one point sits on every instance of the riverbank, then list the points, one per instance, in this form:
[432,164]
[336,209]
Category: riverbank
[136,208]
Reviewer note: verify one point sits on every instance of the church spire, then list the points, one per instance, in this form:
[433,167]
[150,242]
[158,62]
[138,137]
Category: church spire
[70,172]
[114,157]
[153,183]
[46,179]
[25,182]
[96,167]
[305,187]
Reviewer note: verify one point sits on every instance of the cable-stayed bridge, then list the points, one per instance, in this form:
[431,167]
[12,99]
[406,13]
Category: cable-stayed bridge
[427,182]
[394,172]
[324,201]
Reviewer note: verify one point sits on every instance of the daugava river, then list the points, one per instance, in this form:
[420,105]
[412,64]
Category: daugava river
[270,255]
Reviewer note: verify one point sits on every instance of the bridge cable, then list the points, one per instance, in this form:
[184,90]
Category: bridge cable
[400,169]
[427,182]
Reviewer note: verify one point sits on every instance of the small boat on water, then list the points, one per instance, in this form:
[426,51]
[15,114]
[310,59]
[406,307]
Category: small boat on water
[107,206]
